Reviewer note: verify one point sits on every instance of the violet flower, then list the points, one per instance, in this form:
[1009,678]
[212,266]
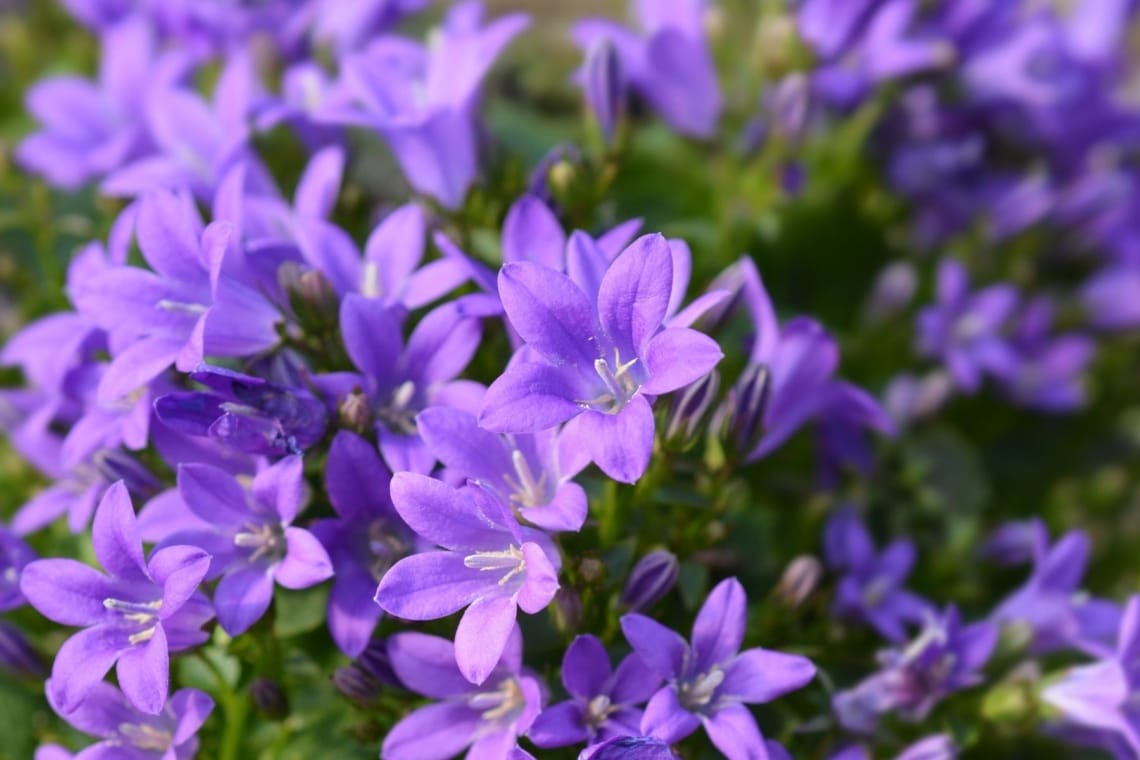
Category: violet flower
[871,589]
[629,748]
[251,537]
[1049,373]
[603,702]
[963,329]
[134,617]
[400,379]
[488,719]
[1101,697]
[669,65]
[422,98]
[945,657]
[710,682]
[128,734]
[365,539]
[246,413]
[487,564]
[599,363]
[527,472]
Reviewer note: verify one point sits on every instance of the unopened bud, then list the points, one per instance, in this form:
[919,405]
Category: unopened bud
[355,684]
[604,86]
[269,698]
[791,106]
[376,662]
[16,654]
[567,610]
[741,416]
[690,410]
[800,579]
[651,579]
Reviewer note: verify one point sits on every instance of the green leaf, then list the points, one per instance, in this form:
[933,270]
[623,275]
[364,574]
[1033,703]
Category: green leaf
[299,612]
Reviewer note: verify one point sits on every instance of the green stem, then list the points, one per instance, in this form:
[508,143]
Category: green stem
[236,707]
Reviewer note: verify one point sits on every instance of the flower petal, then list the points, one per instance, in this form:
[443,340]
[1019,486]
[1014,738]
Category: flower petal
[306,562]
[242,597]
[482,636]
[634,294]
[115,535]
[719,628]
[144,673]
[661,649]
[529,397]
[550,313]
[761,675]
[734,732]
[620,444]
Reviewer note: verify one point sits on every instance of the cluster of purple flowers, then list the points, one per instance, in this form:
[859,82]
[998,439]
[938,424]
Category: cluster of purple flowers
[439,426]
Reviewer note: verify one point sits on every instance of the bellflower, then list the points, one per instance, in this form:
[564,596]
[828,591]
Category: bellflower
[422,98]
[1101,697]
[486,718]
[133,617]
[487,564]
[1049,373]
[599,363]
[128,734]
[669,64]
[710,681]
[945,657]
[247,413]
[251,537]
[870,590]
[629,748]
[365,539]
[963,329]
[399,379]
[526,471]
[1050,604]
[603,700]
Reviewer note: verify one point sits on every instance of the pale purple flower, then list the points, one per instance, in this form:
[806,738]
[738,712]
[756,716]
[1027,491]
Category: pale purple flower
[871,588]
[422,98]
[669,63]
[529,472]
[133,617]
[487,564]
[127,733]
[964,329]
[1050,369]
[488,718]
[710,681]
[944,658]
[604,701]
[1102,696]
[252,539]
[400,379]
[600,363]
[365,539]
[348,26]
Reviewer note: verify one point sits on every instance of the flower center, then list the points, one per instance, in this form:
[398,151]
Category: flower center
[510,559]
[876,591]
[698,692]
[619,382]
[398,415]
[385,547]
[598,711]
[526,490]
[181,307]
[265,539]
[142,615]
[506,701]
[145,736]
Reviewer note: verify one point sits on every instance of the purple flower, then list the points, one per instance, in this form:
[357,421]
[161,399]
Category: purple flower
[347,26]
[91,129]
[486,718]
[710,682]
[603,700]
[1101,697]
[251,537]
[1050,605]
[487,564]
[629,748]
[128,734]
[14,555]
[1112,298]
[365,539]
[670,65]
[963,329]
[399,379]
[944,658]
[422,98]
[870,590]
[526,471]
[246,413]
[1049,373]
[599,362]
[134,617]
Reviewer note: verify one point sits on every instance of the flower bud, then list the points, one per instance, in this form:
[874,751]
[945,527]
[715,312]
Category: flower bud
[567,610]
[16,654]
[791,106]
[374,661]
[651,579]
[740,419]
[355,684]
[269,698]
[604,87]
[690,411]
[799,581]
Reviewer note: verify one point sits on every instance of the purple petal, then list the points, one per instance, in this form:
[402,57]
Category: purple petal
[395,248]
[666,719]
[320,183]
[371,335]
[281,487]
[531,232]
[719,627]
[66,591]
[430,585]
[559,726]
[82,662]
[212,494]
[306,562]
[661,649]
[436,732]
[440,513]
[541,582]
[192,708]
[633,681]
[761,675]
[482,636]
[441,345]
[529,397]
[460,444]
[586,667]
[550,313]
[352,613]
[115,535]
[634,294]
[620,444]
[353,474]
[426,665]
[179,570]
[677,357]
[136,366]
[734,732]
[242,597]
[144,673]
[566,511]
